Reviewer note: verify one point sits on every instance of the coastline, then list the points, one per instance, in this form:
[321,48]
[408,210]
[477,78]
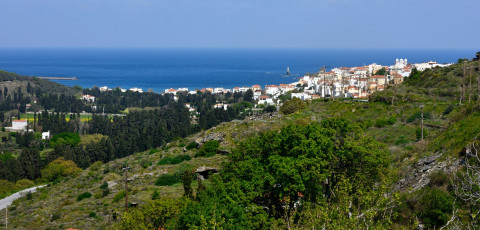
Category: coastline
[161,68]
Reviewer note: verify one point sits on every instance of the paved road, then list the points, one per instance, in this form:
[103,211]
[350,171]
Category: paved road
[5,202]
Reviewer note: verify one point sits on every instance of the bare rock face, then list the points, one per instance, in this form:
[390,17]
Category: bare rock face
[204,172]
[419,174]
[218,136]
[111,184]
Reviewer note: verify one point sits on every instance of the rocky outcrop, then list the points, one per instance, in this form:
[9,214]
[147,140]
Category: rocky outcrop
[218,136]
[204,172]
[418,175]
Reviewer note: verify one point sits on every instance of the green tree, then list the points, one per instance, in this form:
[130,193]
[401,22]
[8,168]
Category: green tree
[187,177]
[292,106]
[248,96]
[71,139]
[59,168]
[381,71]
[31,163]
[270,109]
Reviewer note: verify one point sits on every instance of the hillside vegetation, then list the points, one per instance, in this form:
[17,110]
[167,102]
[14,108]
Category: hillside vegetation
[340,164]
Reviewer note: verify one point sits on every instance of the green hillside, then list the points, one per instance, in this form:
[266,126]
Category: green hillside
[340,164]
[13,81]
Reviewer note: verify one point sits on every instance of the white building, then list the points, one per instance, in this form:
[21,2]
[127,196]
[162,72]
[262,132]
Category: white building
[218,90]
[400,64]
[136,90]
[103,89]
[46,135]
[221,106]
[171,91]
[302,96]
[257,94]
[373,68]
[271,89]
[429,65]
[265,100]
[89,98]
[18,125]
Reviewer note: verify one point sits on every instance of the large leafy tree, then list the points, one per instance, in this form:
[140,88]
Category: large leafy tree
[272,177]
[292,106]
[278,169]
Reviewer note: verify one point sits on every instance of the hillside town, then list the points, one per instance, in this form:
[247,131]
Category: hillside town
[340,82]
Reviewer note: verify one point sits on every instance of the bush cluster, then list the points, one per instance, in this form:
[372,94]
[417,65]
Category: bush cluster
[292,106]
[118,196]
[418,115]
[166,180]
[435,207]
[191,145]
[208,149]
[84,195]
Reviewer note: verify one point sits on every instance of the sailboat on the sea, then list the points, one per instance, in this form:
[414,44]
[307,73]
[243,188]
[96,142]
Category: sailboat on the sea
[288,72]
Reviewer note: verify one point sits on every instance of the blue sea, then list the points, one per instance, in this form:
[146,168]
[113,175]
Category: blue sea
[159,69]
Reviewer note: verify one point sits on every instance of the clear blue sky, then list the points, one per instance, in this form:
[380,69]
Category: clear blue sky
[241,23]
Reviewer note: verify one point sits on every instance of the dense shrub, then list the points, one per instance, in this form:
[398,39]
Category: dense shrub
[105,189]
[59,168]
[166,180]
[448,110]
[173,160]
[381,122]
[270,109]
[292,106]
[191,145]
[92,214]
[435,206]
[391,120]
[418,115]
[84,195]
[24,183]
[96,166]
[29,196]
[104,185]
[208,149]
[155,195]
[118,196]
[152,151]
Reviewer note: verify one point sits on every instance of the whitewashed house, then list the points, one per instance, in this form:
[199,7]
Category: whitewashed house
[171,91]
[271,89]
[89,98]
[18,125]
